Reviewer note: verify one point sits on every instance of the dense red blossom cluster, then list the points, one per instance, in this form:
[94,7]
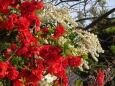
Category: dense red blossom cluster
[59,32]
[7,70]
[52,61]
[99,79]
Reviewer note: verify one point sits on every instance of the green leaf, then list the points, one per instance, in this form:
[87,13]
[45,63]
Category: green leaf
[78,83]
[84,56]
[112,49]
[1,84]
[110,30]
[38,12]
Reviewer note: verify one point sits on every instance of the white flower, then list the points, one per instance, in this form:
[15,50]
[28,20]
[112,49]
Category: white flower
[49,78]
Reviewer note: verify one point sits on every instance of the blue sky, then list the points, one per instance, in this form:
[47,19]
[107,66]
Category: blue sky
[111,3]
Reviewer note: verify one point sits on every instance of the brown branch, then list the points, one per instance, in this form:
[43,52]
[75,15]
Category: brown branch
[100,18]
[85,19]
[90,18]
[76,4]
[61,1]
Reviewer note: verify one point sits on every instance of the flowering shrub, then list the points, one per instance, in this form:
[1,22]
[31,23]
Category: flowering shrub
[39,49]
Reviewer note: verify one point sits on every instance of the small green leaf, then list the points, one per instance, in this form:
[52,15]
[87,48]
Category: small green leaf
[78,83]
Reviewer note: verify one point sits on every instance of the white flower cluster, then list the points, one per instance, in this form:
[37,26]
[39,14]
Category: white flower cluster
[84,64]
[89,43]
[47,80]
[54,14]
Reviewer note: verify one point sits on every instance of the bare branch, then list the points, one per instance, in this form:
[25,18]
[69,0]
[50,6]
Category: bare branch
[100,18]
[85,19]
[62,1]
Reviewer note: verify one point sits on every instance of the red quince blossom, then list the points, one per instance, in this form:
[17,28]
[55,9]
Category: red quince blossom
[56,68]
[44,29]
[74,61]
[39,63]
[10,23]
[33,84]
[36,75]
[17,82]
[13,46]
[100,77]
[21,50]
[32,50]
[28,55]
[6,69]
[25,37]
[8,53]
[34,20]
[49,52]
[4,6]
[22,24]
[32,76]
[14,3]
[65,81]
[44,32]
[64,61]
[59,32]
[3,69]
[38,5]
[12,73]
[28,8]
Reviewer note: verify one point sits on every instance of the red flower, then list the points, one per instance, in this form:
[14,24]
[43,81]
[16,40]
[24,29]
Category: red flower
[40,63]
[17,82]
[22,24]
[8,53]
[38,5]
[14,3]
[44,29]
[4,6]
[49,52]
[100,77]
[28,8]
[34,20]
[12,73]
[10,23]
[33,84]
[74,61]
[65,81]
[13,46]
[28,55]
[55,68]
[32,76]
[3,69]
[35,76]
[21,50]
[34,50]
[59,32]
